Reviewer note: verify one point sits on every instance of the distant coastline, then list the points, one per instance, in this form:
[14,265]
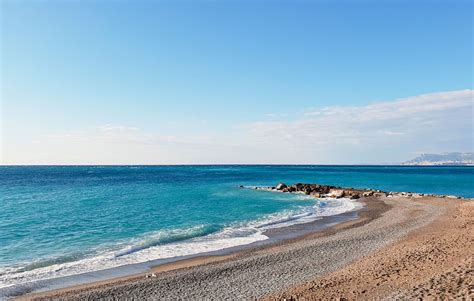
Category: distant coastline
[446,159]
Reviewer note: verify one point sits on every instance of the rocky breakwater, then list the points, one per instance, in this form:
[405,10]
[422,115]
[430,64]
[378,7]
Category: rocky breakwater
[322,191]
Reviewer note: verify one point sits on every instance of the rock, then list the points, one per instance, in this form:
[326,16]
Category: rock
[452,197]
[368,193]
[336,193]
[324,189]
[299,186]
[291,189]
[280,186]
[355,196]
[316,194]
[241,186]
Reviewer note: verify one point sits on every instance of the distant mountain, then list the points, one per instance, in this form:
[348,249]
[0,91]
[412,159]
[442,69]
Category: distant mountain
[443,159]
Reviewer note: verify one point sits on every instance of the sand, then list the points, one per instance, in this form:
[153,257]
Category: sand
[399,247]
[435,261]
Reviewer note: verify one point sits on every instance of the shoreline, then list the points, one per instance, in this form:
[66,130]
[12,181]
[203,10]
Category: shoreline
[314,229]
[133,270]
[377,206]
[431,262]
[276,236]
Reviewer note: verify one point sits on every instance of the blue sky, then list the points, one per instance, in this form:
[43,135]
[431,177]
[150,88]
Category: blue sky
[130,82]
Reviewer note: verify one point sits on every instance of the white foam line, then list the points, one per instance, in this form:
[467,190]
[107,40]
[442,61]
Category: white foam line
[232,236]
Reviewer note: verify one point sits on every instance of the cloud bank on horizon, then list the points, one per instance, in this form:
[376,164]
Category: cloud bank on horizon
[376,133]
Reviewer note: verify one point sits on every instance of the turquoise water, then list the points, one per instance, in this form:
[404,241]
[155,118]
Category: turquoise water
[57,221]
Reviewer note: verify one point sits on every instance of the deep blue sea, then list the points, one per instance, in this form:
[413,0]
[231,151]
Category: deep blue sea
[64,220]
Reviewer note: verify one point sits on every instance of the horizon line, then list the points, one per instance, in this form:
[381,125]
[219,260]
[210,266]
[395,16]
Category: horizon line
[232,164]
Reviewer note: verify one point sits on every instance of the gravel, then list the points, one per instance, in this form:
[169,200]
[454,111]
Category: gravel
[274,269]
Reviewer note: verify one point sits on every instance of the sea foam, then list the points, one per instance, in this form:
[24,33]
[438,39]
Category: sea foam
[184,242]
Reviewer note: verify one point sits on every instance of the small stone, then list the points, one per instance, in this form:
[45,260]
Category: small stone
[336,193]
[368,193]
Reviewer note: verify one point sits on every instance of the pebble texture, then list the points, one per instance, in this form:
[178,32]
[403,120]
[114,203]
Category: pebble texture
[273,269]
[433,262]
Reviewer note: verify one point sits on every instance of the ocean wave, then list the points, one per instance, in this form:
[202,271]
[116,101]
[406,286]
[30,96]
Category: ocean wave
[164,237]
[180,242]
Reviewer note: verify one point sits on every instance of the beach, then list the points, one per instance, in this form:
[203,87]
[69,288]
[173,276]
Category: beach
[236,150]
[400,246]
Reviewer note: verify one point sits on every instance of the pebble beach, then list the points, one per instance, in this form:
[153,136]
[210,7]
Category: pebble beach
[378,255]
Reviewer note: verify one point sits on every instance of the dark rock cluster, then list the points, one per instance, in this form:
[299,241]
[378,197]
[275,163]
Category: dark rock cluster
[320,191]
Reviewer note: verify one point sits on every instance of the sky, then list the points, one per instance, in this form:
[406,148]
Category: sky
[244,82]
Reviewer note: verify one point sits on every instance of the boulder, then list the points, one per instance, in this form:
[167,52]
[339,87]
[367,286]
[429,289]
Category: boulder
[324,189]
[355,196]
[281,186]
[368,193]
[336,193]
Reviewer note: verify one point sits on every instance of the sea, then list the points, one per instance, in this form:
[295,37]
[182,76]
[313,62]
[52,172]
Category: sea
[57,222]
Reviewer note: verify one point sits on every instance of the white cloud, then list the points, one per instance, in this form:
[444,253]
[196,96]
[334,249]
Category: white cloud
[381,132]
[391,133]
[116,128]
[121,144]
[402,108]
